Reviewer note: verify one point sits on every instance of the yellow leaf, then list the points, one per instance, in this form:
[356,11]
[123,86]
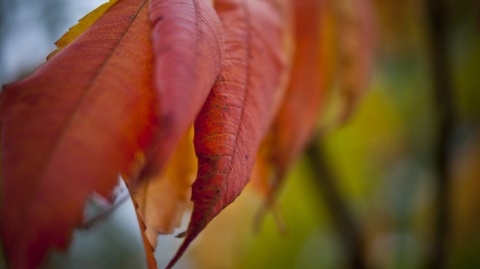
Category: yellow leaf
[163,199]
[78,29]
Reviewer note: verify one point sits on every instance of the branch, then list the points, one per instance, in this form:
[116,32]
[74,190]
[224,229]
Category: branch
[444,100]
[343,221]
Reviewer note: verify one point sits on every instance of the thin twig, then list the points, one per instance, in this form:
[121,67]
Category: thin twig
[97,218]
[444,109]
[343,221]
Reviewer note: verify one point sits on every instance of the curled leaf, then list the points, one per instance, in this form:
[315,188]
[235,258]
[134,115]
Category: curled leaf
[163,199]
[188,45]
[241,106]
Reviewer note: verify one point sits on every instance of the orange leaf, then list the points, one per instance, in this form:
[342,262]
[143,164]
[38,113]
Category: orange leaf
[264,173]
[311,77]
[298,115]
[240,107]
[188,46]
[356,50]
[81,27]
[71,127]
[149,249]
[163,199]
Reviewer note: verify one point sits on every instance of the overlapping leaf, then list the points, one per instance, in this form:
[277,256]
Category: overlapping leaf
[81,27]
[356,51]
[240,107]
[188,45]
[163,199]
[71,127]
[312,76]
[308,85]
[149,249]
[310,79]
[132,84]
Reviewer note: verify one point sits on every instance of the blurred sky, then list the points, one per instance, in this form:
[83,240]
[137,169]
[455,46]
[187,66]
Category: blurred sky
[29,28]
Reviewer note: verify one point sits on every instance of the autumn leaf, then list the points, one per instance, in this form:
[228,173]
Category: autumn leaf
[356,47]
[149,248]
[188,45]
[314,70]
[241,106]
[308,85]
[311,76]
[163,199]
[264,172]
[81,27]
[310,81]
[71,127]
[265,182]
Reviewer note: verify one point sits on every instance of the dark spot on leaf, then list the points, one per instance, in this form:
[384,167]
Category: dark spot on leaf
[166,121]
[157,20]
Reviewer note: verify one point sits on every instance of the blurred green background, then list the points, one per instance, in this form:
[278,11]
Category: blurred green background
[382,162]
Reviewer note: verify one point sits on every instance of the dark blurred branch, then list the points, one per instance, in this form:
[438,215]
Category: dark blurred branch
[343,221]
[477,17]
[444,109]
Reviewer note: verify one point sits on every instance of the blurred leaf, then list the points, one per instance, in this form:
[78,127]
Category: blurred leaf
[296,120]
[466,205]
[356,46]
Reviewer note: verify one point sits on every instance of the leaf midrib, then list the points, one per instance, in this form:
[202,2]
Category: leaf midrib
[68,123]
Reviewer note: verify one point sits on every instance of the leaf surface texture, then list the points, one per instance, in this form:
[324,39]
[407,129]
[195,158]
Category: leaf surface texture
[70,128]
[241,106]
[163,199]
[188,45]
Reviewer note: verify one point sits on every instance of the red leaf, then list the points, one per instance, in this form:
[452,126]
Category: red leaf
[149,248]
[188,46]
[71,127]
[297,118]
[311,78]
[240,107]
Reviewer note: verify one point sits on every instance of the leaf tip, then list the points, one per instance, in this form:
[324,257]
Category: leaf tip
[179,254]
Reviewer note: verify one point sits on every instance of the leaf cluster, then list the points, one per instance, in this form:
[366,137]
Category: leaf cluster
[184,99]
